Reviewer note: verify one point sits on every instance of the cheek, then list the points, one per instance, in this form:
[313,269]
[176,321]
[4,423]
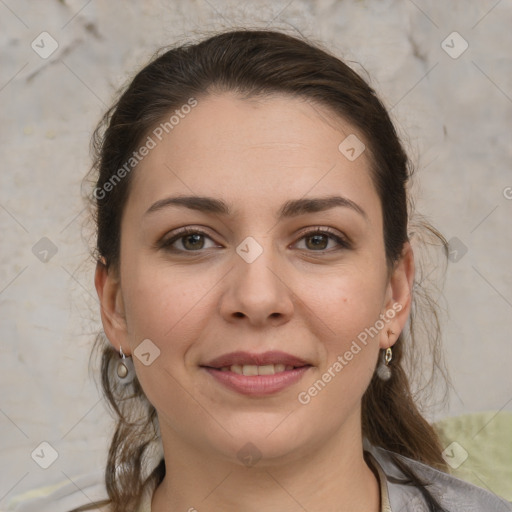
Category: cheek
[346,302]
[344,311]
[165,305]
[350,354]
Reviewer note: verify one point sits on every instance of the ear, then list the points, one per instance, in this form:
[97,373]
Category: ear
[398,297]
[108,288]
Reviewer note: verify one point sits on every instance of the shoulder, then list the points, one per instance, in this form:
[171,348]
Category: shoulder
[451,492]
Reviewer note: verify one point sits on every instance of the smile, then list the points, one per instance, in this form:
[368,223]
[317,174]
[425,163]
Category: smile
[252,369]
[257,380]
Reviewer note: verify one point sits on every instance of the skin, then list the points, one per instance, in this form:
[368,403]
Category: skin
[310,302]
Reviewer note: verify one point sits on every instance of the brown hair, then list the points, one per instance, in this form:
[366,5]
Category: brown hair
[256,62]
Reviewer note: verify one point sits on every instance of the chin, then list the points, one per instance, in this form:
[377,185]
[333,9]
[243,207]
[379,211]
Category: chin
[269,441]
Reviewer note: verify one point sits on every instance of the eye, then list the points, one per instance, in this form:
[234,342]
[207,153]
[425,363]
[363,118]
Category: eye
[190,240]
[318,240]
[193,240]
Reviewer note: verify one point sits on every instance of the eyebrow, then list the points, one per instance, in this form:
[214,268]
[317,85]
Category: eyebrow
[291,208]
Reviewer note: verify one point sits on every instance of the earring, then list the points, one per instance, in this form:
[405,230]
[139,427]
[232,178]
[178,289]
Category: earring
[383,370]
[125,369]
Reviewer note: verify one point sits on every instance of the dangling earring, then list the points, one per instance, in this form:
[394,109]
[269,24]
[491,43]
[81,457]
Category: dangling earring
[383,370]
[125,369]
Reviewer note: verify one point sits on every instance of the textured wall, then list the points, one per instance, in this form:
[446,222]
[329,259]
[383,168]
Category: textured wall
[453,103]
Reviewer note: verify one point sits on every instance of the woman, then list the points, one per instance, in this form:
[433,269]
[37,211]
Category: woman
[256,278]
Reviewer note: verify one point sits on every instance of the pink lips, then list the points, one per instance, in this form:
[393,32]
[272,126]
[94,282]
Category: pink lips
[257,385]
[271,357]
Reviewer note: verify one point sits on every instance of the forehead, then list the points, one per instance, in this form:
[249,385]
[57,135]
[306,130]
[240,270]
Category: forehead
[253,150]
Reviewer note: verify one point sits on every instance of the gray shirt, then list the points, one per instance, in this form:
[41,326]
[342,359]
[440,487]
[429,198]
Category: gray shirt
[453,494]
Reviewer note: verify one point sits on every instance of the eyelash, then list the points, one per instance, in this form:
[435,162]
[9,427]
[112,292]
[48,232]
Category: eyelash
[183,232]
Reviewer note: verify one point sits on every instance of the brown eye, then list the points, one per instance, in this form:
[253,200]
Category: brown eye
[318,241]
[192,242]
[186,240]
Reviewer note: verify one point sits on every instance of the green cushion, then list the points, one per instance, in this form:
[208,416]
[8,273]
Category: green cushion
[478,448]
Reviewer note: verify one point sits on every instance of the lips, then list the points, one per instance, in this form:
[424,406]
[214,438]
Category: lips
[257,386]
[266,358]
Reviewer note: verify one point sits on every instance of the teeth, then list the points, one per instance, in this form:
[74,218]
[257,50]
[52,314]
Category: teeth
[268,369]
[252,369]
[249,369]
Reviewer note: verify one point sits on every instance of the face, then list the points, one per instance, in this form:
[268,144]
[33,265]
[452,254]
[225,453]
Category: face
[274,272]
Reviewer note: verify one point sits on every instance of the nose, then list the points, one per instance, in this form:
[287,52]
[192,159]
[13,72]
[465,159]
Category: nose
[257,291]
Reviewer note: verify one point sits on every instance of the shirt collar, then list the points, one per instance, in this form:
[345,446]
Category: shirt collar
[385,505]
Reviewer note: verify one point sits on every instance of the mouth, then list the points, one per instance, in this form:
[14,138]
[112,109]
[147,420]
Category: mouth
[256,385]
[272,361]
[256,374]
[251,370]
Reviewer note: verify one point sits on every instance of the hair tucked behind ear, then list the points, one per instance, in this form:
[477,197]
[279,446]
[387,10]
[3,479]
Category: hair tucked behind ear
[406,431]
[255,63]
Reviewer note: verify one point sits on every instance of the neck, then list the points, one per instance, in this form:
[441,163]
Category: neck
[328,476]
